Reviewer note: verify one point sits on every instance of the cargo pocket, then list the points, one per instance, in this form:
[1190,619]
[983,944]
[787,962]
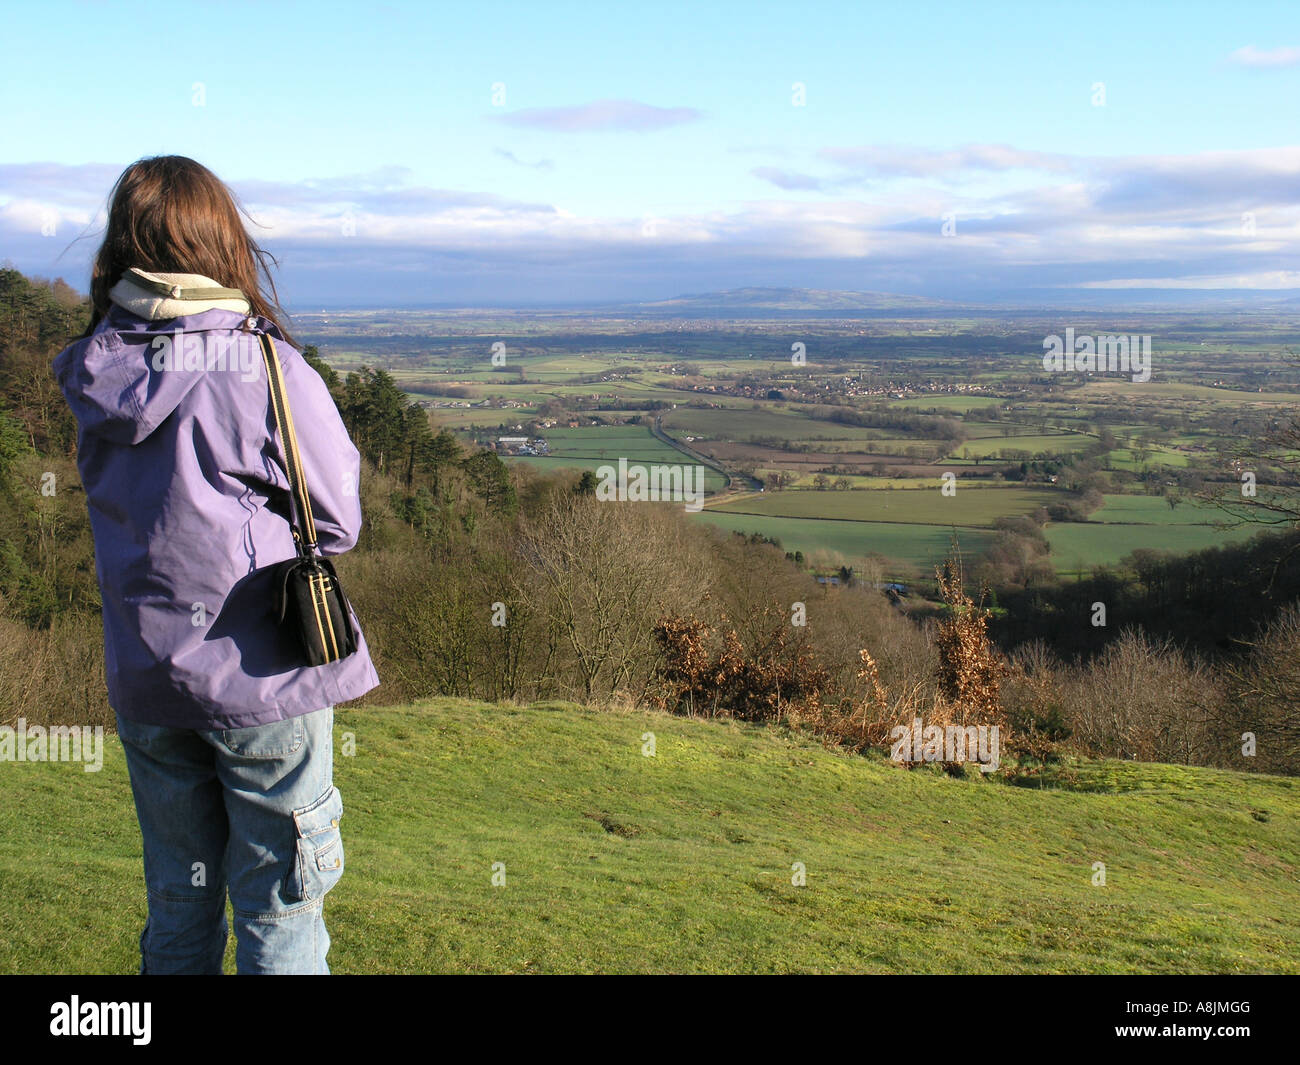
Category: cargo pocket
[318,864]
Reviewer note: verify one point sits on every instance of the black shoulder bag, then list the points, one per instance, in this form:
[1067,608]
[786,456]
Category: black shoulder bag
[308,599]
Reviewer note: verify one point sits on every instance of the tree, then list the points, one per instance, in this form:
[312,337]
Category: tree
[311,355]
[490,480]
[374,410]
[606,571]
[1260,481]
[417,434]
[440,452]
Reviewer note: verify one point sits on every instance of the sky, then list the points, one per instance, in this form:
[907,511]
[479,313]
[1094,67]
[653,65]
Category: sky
[395,154]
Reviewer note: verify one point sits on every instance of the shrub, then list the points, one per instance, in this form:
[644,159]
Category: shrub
[713,672]
[1143,699]
[1265,696]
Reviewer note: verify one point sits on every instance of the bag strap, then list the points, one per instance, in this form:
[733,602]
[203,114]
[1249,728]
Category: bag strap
[304,533]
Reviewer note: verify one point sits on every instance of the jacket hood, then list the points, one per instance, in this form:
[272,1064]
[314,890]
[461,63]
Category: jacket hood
[143,359]
[156,296]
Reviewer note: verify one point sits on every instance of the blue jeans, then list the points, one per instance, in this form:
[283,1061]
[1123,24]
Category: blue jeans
[252,811]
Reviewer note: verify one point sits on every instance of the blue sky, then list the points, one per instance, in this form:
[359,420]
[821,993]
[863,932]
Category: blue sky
[642,151]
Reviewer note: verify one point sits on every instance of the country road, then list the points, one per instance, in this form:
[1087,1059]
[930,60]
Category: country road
[735,479]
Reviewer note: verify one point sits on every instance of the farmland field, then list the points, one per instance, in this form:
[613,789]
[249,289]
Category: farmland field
[969,506]
[1154,510]
[948,404]
[740,425]
[893,412]
[915,546]
[591,448]
[1053,444]
[1130,523]
[1078,547]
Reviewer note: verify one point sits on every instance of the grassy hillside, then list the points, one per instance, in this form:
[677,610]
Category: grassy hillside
[682,862]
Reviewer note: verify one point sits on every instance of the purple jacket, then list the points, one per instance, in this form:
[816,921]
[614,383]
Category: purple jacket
[188,498]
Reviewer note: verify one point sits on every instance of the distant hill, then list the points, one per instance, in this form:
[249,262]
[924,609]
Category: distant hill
[791,299]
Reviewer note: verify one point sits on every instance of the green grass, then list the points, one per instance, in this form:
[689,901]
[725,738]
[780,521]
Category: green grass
[595,446]
[616,862]
[768,421]
[947,404]
[914,525]
[713,481]
[609,443]
[1080,547]
[869,483]
[1129,523]
[1036,444]
[1154,510]
[1123,459]
[920,546]
[971,505]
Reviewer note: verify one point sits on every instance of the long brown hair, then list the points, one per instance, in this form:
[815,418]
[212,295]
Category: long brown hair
[169,214]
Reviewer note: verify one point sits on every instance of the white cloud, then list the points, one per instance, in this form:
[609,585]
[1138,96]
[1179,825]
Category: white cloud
[1250,56]
[1268,280]
[893,160]
[786,179]
[1101,222]
[541,164]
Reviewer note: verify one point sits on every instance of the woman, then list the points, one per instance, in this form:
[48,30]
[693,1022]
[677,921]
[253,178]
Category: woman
[227,730]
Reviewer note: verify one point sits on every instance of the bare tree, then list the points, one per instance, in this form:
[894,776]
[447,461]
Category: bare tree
[606,571]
